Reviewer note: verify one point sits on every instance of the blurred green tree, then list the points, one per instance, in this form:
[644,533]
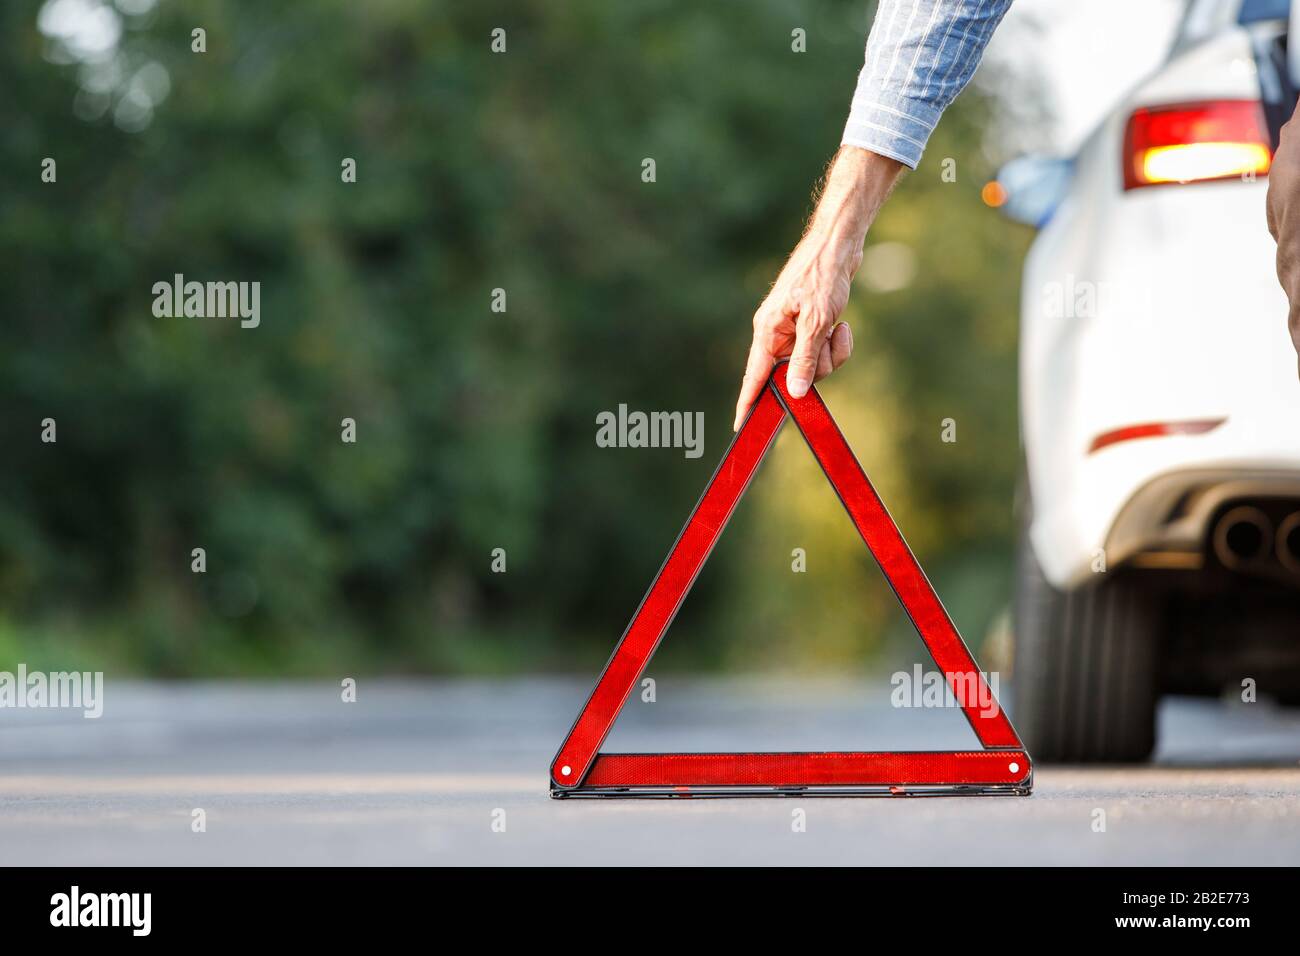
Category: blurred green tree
[475,171]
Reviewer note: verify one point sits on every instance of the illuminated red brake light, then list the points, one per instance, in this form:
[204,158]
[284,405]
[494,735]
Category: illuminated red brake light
[1196,142]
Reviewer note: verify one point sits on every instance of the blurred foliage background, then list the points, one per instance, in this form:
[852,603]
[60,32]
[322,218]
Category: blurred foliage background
[475,429]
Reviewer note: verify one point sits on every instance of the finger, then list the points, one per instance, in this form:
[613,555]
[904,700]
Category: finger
[836,351]
[809,339]
[841,344]
[757,370]
[824,366]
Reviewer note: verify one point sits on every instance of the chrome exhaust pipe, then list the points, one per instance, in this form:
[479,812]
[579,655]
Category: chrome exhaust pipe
[1288,542]
[1242,537]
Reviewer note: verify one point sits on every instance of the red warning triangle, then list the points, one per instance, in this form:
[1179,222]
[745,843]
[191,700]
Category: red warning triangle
[1002,766]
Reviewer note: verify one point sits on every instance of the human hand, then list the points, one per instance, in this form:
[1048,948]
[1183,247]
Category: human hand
[798,318]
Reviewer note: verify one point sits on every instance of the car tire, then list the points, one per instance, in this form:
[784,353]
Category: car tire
[1084,666]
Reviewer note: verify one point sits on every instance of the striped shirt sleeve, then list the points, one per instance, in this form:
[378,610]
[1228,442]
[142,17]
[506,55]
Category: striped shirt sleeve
[920,55]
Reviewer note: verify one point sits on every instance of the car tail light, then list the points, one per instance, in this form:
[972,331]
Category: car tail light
[1196,142]
[1197,426]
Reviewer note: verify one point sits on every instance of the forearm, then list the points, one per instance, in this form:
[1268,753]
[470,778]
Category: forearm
[856,186]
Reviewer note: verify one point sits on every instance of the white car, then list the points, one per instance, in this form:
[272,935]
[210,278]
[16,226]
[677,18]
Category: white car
[1159,402]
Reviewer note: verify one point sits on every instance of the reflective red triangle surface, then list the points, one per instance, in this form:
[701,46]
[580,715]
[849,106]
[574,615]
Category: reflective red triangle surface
[1002,766]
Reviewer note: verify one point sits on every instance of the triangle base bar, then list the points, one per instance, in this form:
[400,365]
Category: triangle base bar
[729,774]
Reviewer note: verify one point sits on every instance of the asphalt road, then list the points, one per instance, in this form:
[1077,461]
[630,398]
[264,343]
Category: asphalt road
[417,772]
